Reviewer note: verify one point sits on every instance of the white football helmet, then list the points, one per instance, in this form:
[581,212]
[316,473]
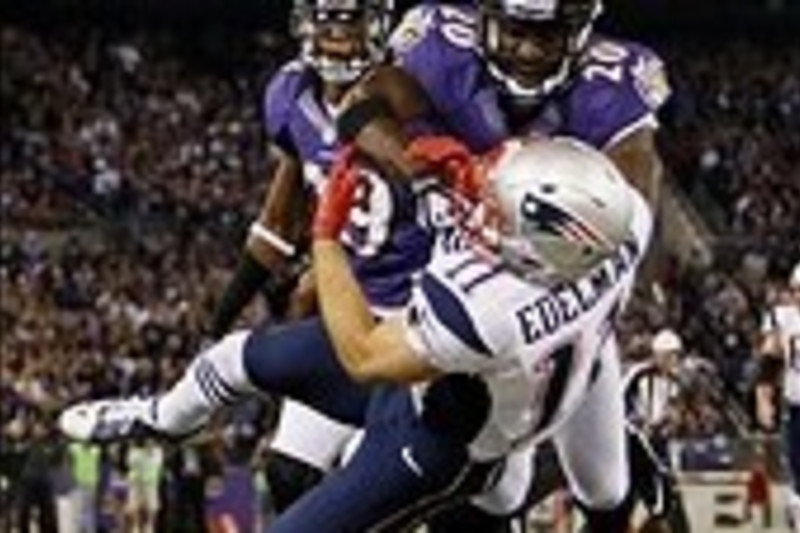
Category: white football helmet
[555,208]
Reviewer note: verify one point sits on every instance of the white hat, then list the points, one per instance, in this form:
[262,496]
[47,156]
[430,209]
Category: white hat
[794,279]
[666,340]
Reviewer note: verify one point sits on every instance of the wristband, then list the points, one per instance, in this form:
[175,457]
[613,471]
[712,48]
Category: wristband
[355,117]
[258,230]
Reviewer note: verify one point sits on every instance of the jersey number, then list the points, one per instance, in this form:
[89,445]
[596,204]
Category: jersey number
[370,217]
[457,27]
[468,277]
[606,62]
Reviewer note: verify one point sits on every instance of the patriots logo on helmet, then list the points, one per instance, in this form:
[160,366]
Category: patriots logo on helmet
[540,215]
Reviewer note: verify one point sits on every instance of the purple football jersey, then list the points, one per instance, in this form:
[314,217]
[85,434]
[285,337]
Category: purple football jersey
[383,238]
[617,86]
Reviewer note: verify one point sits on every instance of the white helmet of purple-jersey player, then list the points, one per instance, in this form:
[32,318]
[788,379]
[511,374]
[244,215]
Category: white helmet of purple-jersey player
[555,208]
[342,39]
[532,46]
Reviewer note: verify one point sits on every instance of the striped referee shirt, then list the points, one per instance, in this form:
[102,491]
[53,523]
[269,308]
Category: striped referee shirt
[648,393]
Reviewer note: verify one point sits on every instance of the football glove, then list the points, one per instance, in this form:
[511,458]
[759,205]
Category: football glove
[450,160]
[333,208]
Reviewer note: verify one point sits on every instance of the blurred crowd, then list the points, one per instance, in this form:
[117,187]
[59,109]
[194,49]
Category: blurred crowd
[733,138]
[121,125]
[732,143]
[126,180]
[127,177]
[132,162]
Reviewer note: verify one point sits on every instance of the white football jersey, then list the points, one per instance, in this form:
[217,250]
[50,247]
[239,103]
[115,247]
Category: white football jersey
[538,348]
[785,321]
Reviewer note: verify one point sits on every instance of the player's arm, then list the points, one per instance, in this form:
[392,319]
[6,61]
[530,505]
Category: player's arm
[271,238]
[376,117]
[636,156]
[771,344]
[369,350]
[270,245]
[624,88]
[385,120]
[456,404]
[765,405]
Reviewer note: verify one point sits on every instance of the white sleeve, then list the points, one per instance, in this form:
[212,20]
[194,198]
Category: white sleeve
[442,327]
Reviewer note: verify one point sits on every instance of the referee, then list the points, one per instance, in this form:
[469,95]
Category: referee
[652,389]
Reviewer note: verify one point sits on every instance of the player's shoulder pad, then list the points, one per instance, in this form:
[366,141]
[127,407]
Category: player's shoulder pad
[436,43]
[619,85]
[641,69]
[280,94]
[462,295]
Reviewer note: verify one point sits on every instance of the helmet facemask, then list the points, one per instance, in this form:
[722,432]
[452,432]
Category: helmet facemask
[342,39]
[531,46]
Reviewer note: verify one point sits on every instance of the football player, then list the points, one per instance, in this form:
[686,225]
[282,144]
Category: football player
[651,388]
[340,41]
[523,67]
[627,107]
[515,68]
[782,342]
[524,300]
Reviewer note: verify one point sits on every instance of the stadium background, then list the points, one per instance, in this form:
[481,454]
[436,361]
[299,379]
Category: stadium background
[132,160]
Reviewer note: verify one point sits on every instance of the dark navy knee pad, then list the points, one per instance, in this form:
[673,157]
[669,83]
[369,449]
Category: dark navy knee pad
[457,405]
[289,478]
[298,360]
